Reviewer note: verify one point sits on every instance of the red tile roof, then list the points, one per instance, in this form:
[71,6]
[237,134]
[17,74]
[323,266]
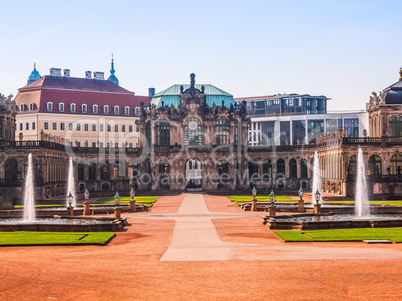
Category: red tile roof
[78,91]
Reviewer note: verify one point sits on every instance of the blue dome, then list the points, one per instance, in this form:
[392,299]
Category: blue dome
[34,76]
[112,78]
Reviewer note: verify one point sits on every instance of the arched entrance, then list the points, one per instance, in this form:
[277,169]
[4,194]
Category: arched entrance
[193,174]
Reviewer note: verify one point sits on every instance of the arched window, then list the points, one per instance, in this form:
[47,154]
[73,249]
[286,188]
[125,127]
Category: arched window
[116,110]
[374,165]
[192,131]
[118,170]
[293,169]
[222,132]
[49,106]
[127,110]
[396,164]
[22,107]
[104,172]
[31,106]
[11,170]
[61,107]
[72,108]
[163,132]
[137,111]
[303,169]
[84,108]
[267,171]
[395,126]
[81,172]
[280,168]
[352,165]
[92,172]
[95,109]
[105,109]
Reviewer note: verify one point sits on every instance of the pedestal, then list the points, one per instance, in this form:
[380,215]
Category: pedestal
[254,205]
[86,208]
[301,208]
[317,208]
[272,210]
[70,211]
[117,212]
[132,206]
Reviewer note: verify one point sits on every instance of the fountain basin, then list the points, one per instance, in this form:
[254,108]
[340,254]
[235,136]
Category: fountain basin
[64,224]
[331,221]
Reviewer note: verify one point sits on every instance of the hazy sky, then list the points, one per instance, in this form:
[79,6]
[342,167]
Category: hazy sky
[341,49]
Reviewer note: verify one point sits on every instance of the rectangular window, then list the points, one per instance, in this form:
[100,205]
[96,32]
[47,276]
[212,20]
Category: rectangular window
[315,129]
[116,127]
[333,125]
[27,126]
[116,145]
[101,127]
[101,144]
[70,126]
[33,125]
[78,127]
[62,126]
[109,127]
[299,131]
[93,144]
[46,125]
[130,128]
[352,127]
[93,127]
[21,126]
[54,125]
[130,145]
[78,144]
[285,132]
[86,127]
[123,128]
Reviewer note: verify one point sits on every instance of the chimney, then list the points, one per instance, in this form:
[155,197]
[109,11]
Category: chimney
[55,72]
[99,76]
[66,73]
[151,92]
[88,75]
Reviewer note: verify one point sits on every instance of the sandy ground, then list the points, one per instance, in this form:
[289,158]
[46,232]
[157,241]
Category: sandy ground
[129,268]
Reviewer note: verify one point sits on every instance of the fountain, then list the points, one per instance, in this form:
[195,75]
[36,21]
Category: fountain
[316,178]
[71,184]
[342,216]
[29,193]
[51,219]
[362,205]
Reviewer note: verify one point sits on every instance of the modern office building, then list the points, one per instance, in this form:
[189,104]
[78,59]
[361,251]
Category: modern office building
[291,119]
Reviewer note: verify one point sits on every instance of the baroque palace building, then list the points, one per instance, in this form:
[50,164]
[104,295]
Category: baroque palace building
[197,136]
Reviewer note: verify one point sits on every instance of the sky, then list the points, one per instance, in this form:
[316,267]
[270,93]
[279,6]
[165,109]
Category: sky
[341,49]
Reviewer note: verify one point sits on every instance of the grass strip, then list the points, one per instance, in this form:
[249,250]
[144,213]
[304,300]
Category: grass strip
[141,200]
[28,238]
[359,234]
[243,199]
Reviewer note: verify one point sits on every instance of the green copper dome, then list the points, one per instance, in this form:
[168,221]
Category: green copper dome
[34,76]
[213,94]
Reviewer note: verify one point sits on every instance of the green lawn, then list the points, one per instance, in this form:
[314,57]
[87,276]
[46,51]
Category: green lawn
[27,238]
[264,199]
[394,234]
[140,200]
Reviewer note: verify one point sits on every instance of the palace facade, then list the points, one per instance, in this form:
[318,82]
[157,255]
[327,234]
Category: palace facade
[196,136]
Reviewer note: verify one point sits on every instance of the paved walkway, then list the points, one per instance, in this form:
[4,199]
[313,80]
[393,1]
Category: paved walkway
[195,238]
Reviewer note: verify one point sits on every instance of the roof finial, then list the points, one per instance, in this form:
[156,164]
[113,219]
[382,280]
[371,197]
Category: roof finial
[112,57]
[400,73]
[34,65]
[192,81]
[112,78]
